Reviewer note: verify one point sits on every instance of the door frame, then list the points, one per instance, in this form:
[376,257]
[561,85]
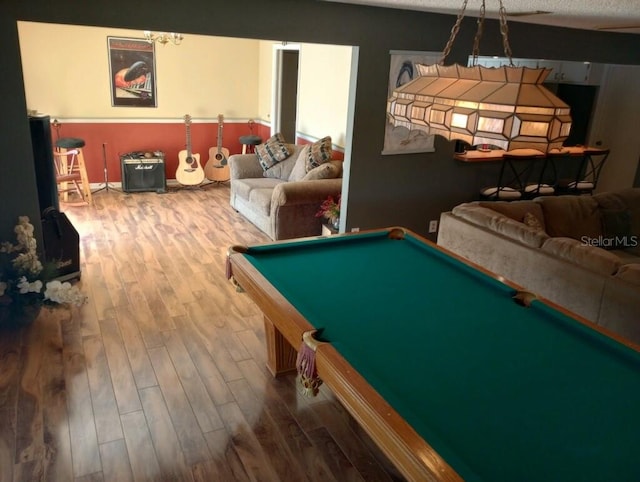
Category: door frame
[276,89]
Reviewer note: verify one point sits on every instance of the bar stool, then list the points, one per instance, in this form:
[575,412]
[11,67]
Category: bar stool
[515,171]
[251,141]
[585,179]
[71,172]
[547,178]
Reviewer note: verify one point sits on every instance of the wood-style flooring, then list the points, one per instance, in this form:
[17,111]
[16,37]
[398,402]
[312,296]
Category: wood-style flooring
[161,375]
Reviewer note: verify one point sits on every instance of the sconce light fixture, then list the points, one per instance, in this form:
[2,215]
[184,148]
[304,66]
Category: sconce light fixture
[163,37]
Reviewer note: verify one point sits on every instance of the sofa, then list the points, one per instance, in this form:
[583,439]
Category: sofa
[580,252]
[282,197]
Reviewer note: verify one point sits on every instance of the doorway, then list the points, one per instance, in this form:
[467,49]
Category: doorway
[285,91]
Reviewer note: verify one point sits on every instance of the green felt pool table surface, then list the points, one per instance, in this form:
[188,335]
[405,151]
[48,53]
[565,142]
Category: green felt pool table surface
[501,391]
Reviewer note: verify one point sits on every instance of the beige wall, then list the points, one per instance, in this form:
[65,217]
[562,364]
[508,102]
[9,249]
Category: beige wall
[323,90]
[265,72]
[66,75]
[615,125]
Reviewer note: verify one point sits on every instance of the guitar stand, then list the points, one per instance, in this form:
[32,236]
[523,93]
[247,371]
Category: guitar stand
[184,187]
[216,183]
[106,186]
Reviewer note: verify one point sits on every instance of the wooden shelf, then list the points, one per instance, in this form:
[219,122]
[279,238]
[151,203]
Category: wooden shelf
[499,154]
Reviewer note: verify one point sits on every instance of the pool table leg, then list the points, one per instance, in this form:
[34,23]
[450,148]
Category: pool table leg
[281,356]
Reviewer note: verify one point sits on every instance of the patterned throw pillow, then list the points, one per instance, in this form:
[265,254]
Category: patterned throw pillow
[272,151]
[282,169]
[532,221]
[319,153]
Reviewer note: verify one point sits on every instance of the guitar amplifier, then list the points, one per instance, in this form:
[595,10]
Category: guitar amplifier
[61,244]
[143,171]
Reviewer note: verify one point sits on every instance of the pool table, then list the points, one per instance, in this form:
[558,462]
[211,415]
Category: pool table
[453,372]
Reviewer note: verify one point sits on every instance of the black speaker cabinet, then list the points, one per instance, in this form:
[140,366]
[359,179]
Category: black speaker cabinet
[61,244]
[142,172]
[43,160]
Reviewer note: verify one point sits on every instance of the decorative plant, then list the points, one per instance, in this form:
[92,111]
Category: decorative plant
[330,209]
[24,282]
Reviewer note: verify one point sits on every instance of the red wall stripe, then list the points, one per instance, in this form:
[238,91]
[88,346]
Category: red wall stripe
[121,138]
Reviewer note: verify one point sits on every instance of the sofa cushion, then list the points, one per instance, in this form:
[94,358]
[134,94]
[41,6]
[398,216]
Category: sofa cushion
[627,256]
[319,153]
[300,167]
[583,254]
[328,170]
[630,273]
[272,151]
[576,217]
[616,228]
[243,187]
[516,210]
[631,198]
[260,199]
[625,199]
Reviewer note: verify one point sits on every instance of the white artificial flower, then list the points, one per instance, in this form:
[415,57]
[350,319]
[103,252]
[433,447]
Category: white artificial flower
[25,287]
[63,293]
[52,291]
[26,261]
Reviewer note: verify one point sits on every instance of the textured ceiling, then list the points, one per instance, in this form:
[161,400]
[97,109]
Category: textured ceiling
[607,15]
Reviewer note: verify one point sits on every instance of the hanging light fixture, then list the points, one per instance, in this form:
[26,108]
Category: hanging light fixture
[163,37]
[506,106]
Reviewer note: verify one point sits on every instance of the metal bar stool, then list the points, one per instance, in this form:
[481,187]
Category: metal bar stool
[515,171]
[586,178]
[547,177]
[71,172]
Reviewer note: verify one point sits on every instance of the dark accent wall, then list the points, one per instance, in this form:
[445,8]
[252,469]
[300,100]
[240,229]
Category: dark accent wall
[384,190]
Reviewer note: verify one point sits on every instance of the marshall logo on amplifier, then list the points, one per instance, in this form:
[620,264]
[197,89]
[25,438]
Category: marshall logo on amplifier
[143,171]
[61,244]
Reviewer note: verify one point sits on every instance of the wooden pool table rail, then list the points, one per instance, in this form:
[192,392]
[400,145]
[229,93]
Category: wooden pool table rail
[410,453]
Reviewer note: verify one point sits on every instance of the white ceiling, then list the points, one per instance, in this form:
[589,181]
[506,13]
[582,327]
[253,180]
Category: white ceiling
[606,15]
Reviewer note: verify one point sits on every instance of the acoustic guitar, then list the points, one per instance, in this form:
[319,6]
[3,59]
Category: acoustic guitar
[217,168]
[190,172]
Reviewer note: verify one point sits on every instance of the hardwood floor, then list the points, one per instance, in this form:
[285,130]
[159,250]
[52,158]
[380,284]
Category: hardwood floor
[161,375]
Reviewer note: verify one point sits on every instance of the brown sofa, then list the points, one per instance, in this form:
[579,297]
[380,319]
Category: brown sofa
[283,200]
[581,252]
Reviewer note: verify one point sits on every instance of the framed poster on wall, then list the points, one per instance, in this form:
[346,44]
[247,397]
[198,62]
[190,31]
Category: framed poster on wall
[402,69]
[132,70]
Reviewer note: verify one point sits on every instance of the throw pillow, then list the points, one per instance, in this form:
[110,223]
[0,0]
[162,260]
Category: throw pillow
[272,151]
[319,153]
[532,221]
[282,170]
[300,168]
[328,170]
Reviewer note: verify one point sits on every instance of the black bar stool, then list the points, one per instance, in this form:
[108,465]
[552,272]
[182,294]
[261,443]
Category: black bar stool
[515,171]
[587,174]
[251,141]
